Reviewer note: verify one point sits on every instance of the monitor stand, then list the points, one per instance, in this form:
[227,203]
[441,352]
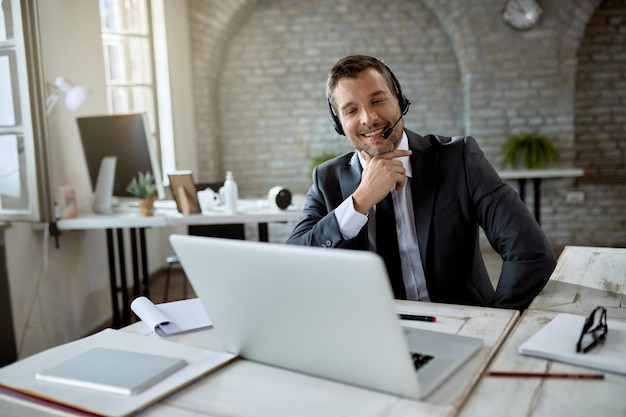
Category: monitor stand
[102,202]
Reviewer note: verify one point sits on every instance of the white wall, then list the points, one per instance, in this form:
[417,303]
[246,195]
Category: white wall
[60,294]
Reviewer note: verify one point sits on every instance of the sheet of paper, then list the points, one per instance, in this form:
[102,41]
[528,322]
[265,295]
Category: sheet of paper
[171,318]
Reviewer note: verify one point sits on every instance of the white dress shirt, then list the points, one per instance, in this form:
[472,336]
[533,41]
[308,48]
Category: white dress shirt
[351,222]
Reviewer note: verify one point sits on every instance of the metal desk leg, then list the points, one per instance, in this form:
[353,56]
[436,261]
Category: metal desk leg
[144,262]
[522,189]
[123,281]
[133,252]
[263,233]
[537,187]
[113,280]
[140,260]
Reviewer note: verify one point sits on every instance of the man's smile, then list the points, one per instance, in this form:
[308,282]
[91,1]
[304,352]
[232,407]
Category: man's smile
[374,132]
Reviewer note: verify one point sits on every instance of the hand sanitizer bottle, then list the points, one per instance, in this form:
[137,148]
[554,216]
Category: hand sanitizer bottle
[230,193]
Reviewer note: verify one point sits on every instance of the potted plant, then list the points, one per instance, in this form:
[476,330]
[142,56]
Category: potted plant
[144,188]
[529,150]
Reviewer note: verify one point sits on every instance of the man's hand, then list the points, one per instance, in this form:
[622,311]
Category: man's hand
[381,174]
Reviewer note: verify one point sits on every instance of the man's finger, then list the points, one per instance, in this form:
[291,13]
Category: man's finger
[388,155]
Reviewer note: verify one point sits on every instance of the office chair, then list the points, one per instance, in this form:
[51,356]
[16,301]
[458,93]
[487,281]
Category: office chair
[226,231]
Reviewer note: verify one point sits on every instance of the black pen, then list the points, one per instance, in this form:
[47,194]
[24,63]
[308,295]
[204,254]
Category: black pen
[416,317]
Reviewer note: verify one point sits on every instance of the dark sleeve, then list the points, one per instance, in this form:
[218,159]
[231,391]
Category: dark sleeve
[317,225]
[528,259]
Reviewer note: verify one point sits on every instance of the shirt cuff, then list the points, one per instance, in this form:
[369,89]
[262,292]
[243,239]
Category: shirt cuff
[349,220]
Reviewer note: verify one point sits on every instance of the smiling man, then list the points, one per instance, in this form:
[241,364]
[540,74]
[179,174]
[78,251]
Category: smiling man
[418,201]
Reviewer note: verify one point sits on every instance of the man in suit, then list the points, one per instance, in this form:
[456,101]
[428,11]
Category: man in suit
[442,190]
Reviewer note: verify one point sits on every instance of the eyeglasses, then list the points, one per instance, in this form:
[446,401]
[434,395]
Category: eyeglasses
[594,330]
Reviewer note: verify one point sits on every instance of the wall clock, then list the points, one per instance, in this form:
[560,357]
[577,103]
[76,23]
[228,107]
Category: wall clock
[522,14]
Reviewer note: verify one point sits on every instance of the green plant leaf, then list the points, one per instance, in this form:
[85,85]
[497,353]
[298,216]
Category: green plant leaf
[529,150]
[142,186]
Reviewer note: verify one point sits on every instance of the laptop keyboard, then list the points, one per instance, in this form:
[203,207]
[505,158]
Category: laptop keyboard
[420,359]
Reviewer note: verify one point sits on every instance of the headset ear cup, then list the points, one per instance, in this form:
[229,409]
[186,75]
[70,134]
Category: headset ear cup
[404,103]
[335,118]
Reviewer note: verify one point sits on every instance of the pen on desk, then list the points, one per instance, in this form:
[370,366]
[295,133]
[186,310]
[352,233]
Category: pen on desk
[417,317]
[562,375]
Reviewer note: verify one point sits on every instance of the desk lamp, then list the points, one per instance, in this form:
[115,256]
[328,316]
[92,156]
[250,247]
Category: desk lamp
[75,96]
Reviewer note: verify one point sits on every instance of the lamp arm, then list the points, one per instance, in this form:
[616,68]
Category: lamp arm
[54,94]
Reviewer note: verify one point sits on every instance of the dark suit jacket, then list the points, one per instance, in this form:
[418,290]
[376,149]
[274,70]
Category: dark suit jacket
[454,189]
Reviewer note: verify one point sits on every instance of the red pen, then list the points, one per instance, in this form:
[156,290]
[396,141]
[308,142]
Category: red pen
[416,317]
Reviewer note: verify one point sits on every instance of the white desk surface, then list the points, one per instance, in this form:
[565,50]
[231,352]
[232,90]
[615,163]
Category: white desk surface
[586,277]
[249,211]
[246,388]
[537,397]
[516,174]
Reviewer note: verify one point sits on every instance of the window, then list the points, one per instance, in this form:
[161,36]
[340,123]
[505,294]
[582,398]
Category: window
[131,76]
[21,196]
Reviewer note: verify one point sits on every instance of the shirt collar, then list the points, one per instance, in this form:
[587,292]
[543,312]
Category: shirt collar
[406,162]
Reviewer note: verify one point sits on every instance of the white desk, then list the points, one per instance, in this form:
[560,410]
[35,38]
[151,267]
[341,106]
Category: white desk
[521,175]
[250,389]
[249,211]
[538,397]
[584,278]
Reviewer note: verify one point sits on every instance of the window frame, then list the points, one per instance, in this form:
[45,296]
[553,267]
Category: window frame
[30,112]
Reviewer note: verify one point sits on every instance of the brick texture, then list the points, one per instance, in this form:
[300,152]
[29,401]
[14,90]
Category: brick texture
[260,66]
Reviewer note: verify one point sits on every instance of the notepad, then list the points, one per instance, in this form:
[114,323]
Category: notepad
[557,341]
[111,370]
[172,318]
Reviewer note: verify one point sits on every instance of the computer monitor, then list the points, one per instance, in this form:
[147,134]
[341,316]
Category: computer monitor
[125,137]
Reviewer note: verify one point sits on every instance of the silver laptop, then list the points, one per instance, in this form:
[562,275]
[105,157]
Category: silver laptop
[328,313]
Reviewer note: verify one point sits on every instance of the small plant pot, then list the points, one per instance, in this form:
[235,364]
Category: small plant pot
[146,206]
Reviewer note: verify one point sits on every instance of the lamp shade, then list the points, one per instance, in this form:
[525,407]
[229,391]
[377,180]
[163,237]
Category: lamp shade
[75,96]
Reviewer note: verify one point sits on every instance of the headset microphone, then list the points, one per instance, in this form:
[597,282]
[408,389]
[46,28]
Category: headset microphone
[390,130]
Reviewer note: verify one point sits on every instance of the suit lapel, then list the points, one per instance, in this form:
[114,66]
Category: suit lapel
[424,166]
[350,176]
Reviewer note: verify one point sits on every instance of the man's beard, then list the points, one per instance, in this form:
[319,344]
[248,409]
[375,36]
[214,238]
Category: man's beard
[392,145]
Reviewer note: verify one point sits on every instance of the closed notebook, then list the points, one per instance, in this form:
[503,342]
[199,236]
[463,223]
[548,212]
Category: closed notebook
[557,341]
[112,370]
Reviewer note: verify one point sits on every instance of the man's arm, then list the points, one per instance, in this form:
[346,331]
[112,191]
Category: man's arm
[528,258]
[318,226]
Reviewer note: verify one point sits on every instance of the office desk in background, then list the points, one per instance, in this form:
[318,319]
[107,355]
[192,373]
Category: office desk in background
[115,225]
[537,175]
[246,388]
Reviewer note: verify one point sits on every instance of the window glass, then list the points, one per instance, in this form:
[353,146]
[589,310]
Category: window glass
[124,16]
[6,21]
[13,195]
[7,92]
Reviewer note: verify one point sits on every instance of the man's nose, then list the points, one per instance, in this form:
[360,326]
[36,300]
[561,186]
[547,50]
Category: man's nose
[368,116]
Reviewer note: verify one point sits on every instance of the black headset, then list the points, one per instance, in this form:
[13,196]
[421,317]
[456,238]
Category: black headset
[403,101]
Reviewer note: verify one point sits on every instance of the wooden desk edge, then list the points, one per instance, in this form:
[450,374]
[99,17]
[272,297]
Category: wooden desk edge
[458,404]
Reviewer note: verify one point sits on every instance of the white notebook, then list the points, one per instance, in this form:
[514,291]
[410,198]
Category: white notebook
[557,341]
[112,370]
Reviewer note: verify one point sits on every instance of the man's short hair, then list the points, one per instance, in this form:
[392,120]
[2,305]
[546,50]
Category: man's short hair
[350,67]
